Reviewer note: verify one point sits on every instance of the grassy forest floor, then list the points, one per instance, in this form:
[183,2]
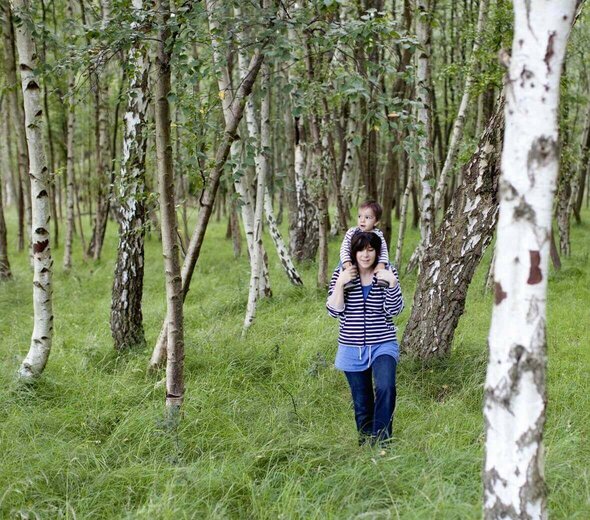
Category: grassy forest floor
[268,428]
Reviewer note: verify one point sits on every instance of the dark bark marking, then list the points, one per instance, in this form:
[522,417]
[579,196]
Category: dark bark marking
[550,51]
[542,152]
[525,75]
[499,294]
[39,247]
[524,211]
[535,275]
[42,193]
[32,85]
[508,190]
[41,231]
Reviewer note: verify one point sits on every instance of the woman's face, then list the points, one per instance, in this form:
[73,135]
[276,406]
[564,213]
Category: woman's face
[365,259]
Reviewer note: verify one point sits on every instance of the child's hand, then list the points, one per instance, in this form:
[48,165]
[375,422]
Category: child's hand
[388,276]
[379,267]
[347,276]
[346,265]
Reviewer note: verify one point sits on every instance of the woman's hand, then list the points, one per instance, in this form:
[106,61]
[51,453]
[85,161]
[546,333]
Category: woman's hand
[388,276]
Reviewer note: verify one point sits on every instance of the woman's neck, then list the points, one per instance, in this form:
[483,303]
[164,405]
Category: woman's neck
[366,275]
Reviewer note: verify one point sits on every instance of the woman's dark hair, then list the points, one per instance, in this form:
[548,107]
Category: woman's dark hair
[361,240]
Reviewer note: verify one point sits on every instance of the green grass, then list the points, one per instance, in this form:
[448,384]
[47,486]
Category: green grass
[267,428]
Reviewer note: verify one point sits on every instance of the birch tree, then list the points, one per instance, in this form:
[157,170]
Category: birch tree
[515,387]
[170,248]
[424,98]
[5,272]
[126,313]
[208,197]
[455,251]
[103,148]
[257,258]
[36,359]
[18,122]
[70,188]
[459,123]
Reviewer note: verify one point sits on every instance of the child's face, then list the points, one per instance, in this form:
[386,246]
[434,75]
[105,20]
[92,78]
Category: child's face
[366,219]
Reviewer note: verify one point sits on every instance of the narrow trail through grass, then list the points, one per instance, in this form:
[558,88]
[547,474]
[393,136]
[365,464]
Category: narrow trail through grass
[267,429]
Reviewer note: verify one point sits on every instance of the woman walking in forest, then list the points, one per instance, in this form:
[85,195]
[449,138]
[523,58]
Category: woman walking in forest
[368,351]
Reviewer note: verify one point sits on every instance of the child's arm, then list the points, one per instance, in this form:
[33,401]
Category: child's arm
[345,248]
[384,254]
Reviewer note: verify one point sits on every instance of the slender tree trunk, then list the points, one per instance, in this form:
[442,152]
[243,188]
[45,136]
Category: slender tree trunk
[303,240]
[236,237]
[103,150]
[208,196]
[257,252]
[126,312]
[5,272]
[10,174]
[18,123]
[455,251]
[579,184]
[174,299]
[459,124]
[36,359]
[403,218]
[70,192]
[515,388]
[52,160]
[243,190]
[5,166]
[423,96]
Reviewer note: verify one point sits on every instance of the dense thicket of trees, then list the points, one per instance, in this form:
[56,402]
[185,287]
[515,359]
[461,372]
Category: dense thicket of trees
[289,110]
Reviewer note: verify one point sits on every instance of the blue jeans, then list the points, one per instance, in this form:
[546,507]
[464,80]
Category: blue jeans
[373,410]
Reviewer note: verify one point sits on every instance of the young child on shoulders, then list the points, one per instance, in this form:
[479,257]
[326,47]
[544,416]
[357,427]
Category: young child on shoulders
[369,215]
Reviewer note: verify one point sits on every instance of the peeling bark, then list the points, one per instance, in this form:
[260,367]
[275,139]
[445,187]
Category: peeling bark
[126,311]
[36,359]
[515,390]
[257,258]
[449,264]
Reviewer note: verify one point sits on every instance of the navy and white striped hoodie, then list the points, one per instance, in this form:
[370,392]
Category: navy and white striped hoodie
[367,322]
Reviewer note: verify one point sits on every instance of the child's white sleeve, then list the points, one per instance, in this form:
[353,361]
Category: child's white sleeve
[384,254]
[345,247]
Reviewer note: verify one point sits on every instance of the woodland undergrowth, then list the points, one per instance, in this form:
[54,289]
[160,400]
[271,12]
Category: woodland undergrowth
[267,428]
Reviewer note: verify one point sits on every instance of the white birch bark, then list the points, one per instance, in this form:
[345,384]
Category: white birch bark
[459,125]
[17,117]
[347,172]
[126,309]
[36,359]
[403,218]
[423,96]
[241,184]
[71,108]
[515,394]
[252,126]
[257,256]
